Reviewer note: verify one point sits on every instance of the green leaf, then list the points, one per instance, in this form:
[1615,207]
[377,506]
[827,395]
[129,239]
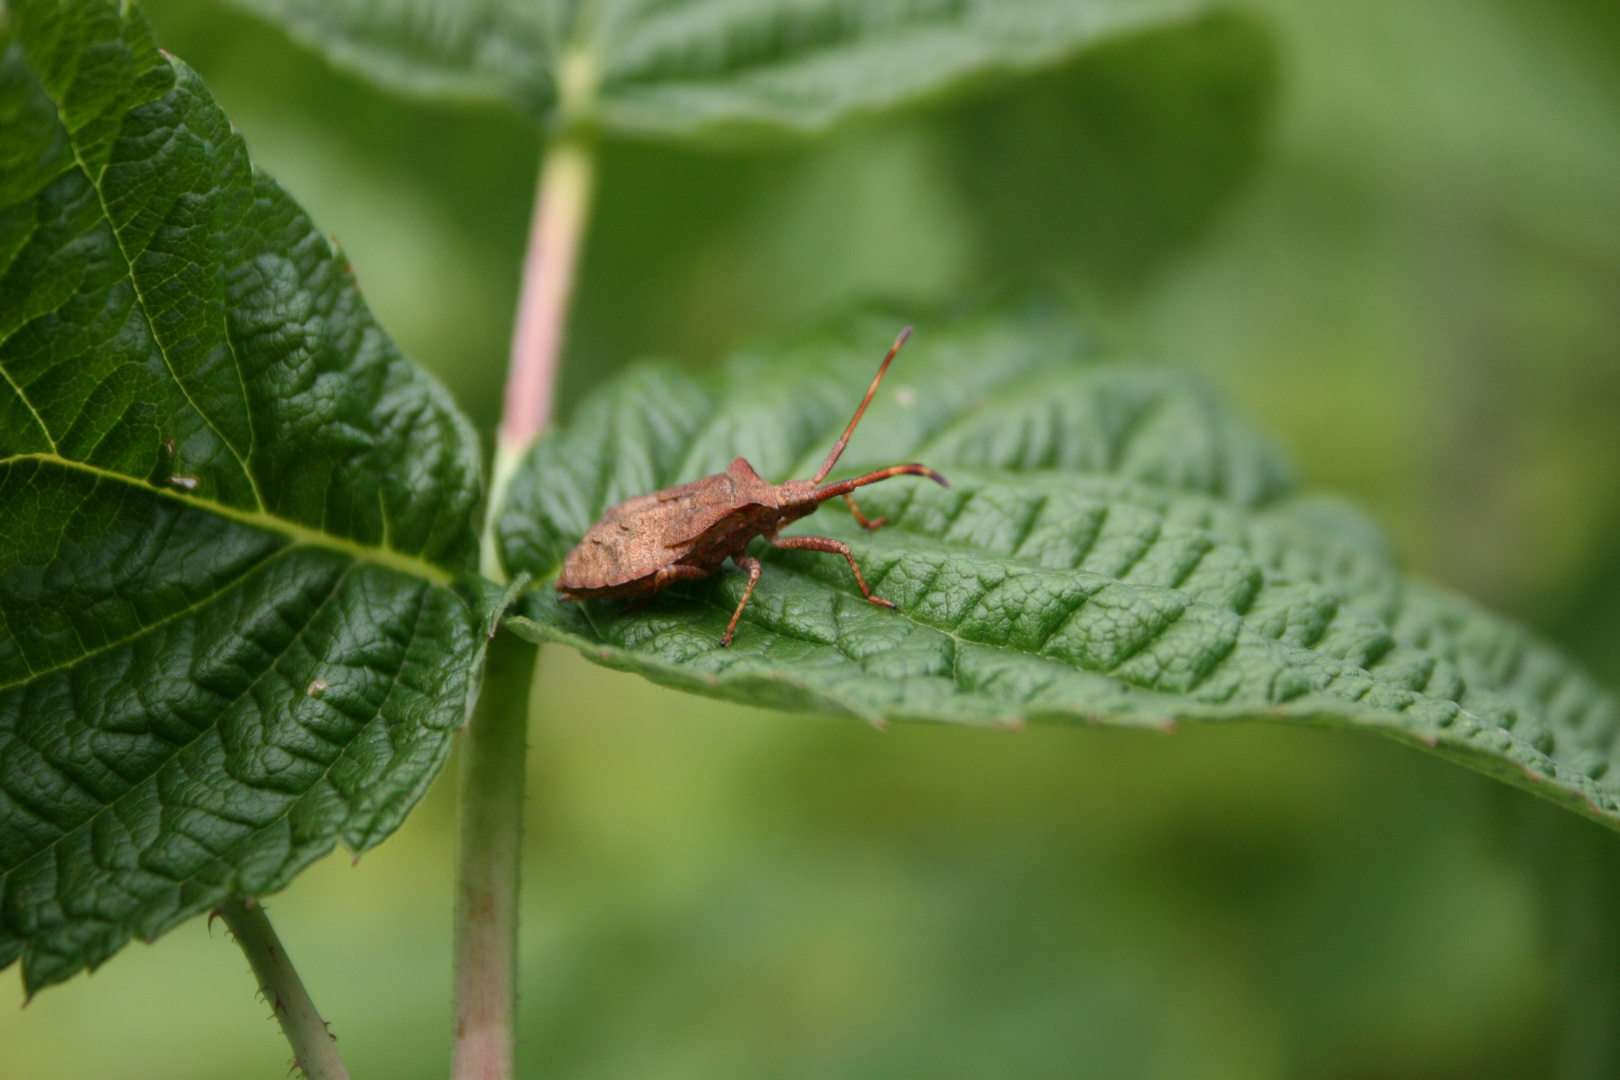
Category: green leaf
[1115,547]
[681,66]
[233,517]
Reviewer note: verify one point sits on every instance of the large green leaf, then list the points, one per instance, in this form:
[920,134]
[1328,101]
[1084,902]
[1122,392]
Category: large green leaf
[1114,548]
[232,515]
[677,66]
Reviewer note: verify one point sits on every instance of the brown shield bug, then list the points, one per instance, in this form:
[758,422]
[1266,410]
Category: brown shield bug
[684,533]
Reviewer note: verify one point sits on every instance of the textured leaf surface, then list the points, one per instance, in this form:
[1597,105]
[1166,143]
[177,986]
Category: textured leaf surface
[231,513]
[672,66]
[1114,548]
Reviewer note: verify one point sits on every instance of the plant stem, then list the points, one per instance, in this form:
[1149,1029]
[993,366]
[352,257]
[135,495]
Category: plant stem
[491,794]
[314,1049]
[561,209]
[492,748]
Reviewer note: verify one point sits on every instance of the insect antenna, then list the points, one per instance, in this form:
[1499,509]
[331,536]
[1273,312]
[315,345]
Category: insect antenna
[844,487]
[838,448]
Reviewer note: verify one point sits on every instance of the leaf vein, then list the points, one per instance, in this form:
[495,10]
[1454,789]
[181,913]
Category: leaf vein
[178,749]
[299,534]
[146,312]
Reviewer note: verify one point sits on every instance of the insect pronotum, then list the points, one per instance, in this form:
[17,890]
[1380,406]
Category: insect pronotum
[684,533]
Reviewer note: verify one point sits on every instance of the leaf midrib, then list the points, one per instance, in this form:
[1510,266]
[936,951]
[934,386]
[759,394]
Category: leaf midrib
[383,555]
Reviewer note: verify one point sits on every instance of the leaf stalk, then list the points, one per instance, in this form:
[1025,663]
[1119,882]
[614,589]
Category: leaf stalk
[556,234]
[314,1048]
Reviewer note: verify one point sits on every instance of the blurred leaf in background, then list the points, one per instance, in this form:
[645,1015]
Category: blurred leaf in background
[1387,230]
[703,67]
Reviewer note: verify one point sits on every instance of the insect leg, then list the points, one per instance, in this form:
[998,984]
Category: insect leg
[831,547]
[860,518]
[666,575]
[753,568]
[669,575]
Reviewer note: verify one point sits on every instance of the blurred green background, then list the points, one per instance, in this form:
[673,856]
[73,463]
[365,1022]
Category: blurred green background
[1389,230]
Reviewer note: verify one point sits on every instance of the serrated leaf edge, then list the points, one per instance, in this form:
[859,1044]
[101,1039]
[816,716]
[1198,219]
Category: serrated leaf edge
[1446,742]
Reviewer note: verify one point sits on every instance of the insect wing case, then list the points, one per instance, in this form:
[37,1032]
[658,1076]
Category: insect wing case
[640,536]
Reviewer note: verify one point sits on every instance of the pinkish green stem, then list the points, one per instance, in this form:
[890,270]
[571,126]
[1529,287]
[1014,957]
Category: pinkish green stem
[492,749]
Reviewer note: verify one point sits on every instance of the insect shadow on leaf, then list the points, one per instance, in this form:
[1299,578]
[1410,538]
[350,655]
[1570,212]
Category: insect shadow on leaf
[685,533]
